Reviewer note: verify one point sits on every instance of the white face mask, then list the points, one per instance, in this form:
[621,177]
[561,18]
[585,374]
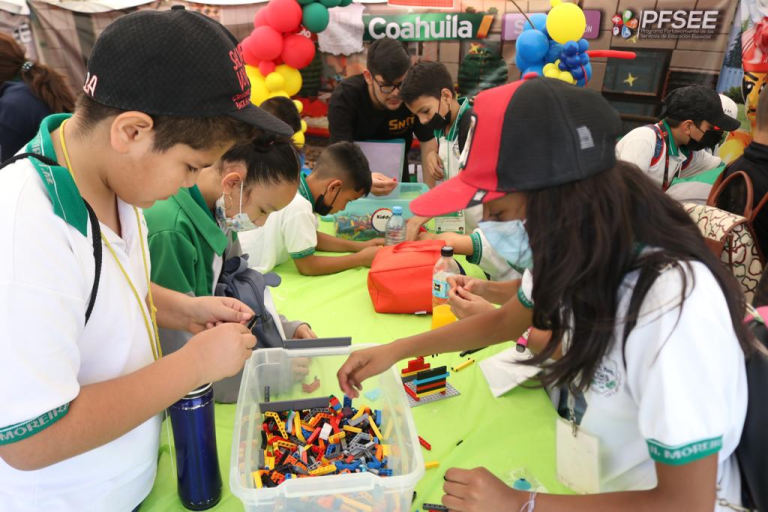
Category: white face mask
[240,222]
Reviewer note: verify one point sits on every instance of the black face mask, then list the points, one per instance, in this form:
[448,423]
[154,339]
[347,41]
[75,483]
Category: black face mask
[439,122]
[709,140]
[323,209]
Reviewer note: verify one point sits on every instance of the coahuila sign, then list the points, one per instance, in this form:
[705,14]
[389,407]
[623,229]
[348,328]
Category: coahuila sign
[428,27]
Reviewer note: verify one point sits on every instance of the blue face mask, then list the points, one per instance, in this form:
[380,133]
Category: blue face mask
[510,240]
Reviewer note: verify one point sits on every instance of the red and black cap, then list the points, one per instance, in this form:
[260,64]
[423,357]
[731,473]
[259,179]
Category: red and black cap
[174,63]
[531,134]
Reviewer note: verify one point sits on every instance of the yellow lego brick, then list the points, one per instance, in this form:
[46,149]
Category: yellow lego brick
[323,470]
[431,464]
[354,430]
[463,365]
[374,427]
[299,433]
[257,479]
[280,424]
[286,444]
[336,438]
[385,450]
[360,412]
[432,392]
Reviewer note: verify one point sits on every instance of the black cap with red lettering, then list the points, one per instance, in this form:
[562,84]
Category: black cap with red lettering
[174,63]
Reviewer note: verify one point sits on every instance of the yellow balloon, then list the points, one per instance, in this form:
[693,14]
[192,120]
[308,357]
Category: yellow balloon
[259,91]
[566,76]
[731,150]
[566,22]
[303,126]
[299,139]
[292,79]
[299,105]
[275,94]
[275,81]
[552,73]
[549,67]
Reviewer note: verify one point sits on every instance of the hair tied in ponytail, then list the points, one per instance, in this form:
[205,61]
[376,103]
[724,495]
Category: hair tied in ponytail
[264,143]
[27,66]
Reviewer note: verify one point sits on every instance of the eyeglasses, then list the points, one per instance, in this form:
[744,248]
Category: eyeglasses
[387,88]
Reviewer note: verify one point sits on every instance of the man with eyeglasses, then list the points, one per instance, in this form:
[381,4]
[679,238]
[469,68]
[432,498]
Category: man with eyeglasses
[368,107]
[692,121]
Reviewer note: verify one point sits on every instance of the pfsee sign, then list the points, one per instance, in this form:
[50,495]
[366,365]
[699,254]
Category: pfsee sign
[678,24]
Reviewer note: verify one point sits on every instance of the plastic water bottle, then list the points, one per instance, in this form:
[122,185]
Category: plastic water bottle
[395,230]
[444,268]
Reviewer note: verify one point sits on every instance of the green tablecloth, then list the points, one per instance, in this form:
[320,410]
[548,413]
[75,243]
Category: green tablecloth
[510,435]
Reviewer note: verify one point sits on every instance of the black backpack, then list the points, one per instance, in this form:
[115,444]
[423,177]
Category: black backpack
[95,228]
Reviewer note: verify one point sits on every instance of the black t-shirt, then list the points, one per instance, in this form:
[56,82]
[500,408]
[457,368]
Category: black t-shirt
[754,162]
[352,117]
[20,116]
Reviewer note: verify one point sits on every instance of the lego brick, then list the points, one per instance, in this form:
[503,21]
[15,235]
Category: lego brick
[430,387]
[450,392]
[373,395]
[425,444]
[426,374]
[301,344]
[295,405]
[463,365]
[441,377]
[431,464]
[430,507]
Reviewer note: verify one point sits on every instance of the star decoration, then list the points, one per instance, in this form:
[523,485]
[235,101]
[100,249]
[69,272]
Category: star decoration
[630,80]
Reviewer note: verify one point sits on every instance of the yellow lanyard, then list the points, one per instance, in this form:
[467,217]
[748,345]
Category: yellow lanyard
[153,340]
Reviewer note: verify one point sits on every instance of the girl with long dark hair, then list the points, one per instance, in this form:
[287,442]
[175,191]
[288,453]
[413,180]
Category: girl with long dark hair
[641,343]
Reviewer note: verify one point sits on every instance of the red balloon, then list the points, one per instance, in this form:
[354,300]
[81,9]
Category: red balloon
[267,43]
[266,67]
[260,19]
[298,51]
[246,45]
[284,15]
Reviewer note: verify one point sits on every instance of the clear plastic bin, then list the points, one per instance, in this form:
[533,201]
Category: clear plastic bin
[366,218]
[272,367]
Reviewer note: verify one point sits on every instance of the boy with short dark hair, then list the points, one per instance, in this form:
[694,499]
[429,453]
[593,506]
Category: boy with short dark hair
[80,412]
[367,107]
[428,92]
[341,175]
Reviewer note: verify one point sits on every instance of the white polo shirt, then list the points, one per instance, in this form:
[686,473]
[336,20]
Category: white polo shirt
[675,394]
[288,233]
[47,271]
[638,147]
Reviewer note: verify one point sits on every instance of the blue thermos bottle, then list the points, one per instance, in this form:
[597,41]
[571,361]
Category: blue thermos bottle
[197,461]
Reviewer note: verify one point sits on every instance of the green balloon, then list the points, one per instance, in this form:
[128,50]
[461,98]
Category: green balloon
[345,3]
[315,17]
[305,2]
[330,3]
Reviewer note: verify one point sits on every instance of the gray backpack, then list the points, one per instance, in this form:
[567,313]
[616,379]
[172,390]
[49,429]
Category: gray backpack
[240,282]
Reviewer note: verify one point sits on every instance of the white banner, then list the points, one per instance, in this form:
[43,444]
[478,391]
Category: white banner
[15,6]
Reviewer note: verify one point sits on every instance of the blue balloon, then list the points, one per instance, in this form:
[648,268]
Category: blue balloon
[562,66]
[588,69]
[554,52]
[578,73]
[571,48]
[539,21]
[584,58]
[583,45]
[538,69]
[573,62]
[521,63]
[532,45]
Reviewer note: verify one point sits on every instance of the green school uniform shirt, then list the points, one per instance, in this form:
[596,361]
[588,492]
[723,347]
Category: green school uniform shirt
[184,238]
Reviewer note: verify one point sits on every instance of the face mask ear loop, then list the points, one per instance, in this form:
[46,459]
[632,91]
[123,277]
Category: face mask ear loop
[242,182]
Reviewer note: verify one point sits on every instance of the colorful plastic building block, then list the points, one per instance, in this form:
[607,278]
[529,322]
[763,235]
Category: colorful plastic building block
[373,394]
[463,365]
[414,367]
[431,464]
[431,507]
[312,386]
[425,444]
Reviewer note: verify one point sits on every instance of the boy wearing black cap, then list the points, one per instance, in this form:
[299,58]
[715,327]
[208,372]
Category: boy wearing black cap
[368,107]
[83,383]
[693,120]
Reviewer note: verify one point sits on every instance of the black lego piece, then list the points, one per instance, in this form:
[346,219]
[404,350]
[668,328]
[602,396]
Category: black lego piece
[434,372]
[431,507]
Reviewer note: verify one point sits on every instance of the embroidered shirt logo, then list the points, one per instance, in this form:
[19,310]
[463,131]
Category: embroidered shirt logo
[607,379]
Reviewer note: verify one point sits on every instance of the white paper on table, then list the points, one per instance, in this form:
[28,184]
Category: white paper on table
[385,157]
[504,373]
[344,34]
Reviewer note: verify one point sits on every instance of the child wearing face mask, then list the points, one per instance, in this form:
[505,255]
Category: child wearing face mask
[645,354]
[693,120]
[341,175]
[192,233]
[428,92]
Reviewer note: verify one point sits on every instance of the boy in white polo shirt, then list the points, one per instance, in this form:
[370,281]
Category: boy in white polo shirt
[79,412]
[341,175]
[693,120]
